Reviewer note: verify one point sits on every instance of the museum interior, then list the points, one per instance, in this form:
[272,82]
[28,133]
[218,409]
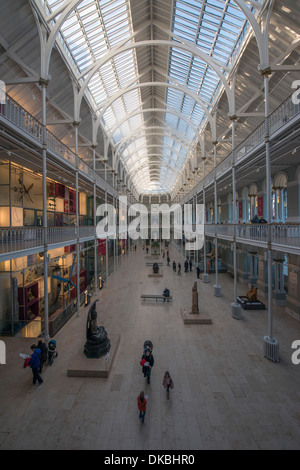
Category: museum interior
[150,105]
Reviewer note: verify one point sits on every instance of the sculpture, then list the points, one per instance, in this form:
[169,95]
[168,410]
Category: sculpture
[97,343]
[155,268]
[195,308]
[252,294]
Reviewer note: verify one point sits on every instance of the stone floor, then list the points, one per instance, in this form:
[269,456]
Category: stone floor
[226,395]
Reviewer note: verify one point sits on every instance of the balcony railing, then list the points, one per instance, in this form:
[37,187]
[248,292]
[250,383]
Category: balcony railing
[284,235]
[21,239]
[21,118]
[278,118]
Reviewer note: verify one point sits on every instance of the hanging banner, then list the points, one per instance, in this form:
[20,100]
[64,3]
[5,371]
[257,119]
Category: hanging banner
[260,206]
[240,210]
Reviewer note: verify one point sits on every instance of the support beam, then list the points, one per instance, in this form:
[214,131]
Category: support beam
[285,68]
[45,222]
[22,80]
[271,345]
[236,309]
[62,121]
[217,287]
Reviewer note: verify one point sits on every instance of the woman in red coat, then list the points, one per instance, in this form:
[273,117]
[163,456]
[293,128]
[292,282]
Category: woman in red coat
[142,405]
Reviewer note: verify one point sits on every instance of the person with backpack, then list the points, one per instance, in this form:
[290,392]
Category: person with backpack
[147,363]
[35,364]
[44,354]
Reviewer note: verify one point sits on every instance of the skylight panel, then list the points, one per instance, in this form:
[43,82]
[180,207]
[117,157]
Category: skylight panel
[216,27]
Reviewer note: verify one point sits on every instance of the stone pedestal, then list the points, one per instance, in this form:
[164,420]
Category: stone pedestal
[236,311]
[160,274]
[217,291]
[189,318]
[81,366]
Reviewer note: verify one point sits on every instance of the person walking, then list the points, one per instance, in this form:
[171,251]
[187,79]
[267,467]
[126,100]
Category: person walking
[198,272]
[186,266]
[191,264]
[168,261]
[35,364]
[168,383]
[142,406]
[148,363]
[174,266]
[179,270]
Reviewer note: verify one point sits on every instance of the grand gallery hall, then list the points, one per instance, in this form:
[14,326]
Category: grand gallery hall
[150,199]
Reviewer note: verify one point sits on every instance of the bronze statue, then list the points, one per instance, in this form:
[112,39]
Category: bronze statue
[252,294]
[195,308]
[97,343]
[155,268]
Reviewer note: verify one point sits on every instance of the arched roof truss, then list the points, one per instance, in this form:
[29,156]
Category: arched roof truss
[122,74]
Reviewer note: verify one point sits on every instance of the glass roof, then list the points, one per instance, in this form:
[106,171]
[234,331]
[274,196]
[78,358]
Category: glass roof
[96,27]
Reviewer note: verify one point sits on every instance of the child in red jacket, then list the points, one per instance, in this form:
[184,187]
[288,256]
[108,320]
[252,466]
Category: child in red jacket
[142,405]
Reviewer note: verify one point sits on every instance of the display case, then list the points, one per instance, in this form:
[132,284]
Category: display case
[28,299]
[72,201]
[83,283]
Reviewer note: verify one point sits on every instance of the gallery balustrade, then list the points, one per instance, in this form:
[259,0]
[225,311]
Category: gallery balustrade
[18,116]
[19,239]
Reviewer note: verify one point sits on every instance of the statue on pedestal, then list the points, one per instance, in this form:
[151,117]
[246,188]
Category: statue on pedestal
[195,308]
[155,268]
[97,343]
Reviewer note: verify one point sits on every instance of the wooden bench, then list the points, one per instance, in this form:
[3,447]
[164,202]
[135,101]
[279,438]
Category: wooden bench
[156,296]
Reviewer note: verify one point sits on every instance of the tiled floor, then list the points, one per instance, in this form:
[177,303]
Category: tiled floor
[226,395]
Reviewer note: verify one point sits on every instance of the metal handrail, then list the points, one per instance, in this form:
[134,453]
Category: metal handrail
[278,118]
[18,115]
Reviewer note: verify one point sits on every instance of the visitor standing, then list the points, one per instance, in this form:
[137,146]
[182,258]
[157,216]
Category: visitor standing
[174,266]
[186,266]
[142,406]
[179,270]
